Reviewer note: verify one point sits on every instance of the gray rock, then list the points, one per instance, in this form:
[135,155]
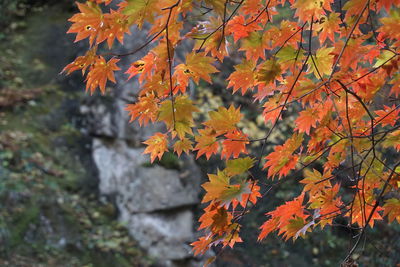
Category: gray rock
[165,235]
[139,188]
[107,117]
[155,203]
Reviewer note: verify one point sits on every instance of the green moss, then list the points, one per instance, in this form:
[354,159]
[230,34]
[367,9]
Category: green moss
[169,161]
[21,223]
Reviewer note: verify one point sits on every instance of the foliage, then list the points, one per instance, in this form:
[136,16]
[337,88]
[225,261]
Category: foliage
[335,65]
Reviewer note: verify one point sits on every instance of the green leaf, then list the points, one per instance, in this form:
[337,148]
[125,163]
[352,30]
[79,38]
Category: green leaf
[383,58]
[139,11]
[268,71]
[238,166]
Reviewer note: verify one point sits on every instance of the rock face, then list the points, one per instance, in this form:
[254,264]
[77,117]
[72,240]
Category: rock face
[154,202]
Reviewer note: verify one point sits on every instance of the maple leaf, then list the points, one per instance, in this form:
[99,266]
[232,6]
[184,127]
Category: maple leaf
[155,84]
[253,45]
[386,4]
[326,202]
[114,25]
[232,236]
[243,77]
[272,109]
[216,186]
[218,5]
[327,26]
[293,228]
[220,189]
[388,115]
[197,66]
[202,245]
[322,63]
[178,115]
[288,56]
[138,11]
[208,37]
[392,209]
[282,217]
[82,62]
[268,71]
[307,118]
[234,144]
[252,7]
[353,8]
[251,197]
[145,109]
[290,210]
[306,9]
[99,73]
[156,146]
[314,181]
[390,25]
[238,166]
[216,218]
[288,61]
[395,86]
[239,28]
[282,160]
[183,145]
[305,89]
[224,120]
[143,66]
[359,210]
[206,143]
[384,60]
[267,227]
[87,23]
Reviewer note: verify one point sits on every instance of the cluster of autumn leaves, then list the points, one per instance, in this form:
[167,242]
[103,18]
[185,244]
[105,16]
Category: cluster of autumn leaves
[332,66]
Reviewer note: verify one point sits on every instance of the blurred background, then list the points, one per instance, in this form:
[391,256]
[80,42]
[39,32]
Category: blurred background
[75,189]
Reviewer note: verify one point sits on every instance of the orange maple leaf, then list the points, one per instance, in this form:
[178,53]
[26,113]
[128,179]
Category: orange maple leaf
[87,23]
[202,245]
[82,62]
[234,144]
[206,143]
[156,146]
[183,145]
[283,159]
[224,119]
[145,109]
[242,77]
[115,25]
[388,115]
[99,73]
[307,118]
[239,28]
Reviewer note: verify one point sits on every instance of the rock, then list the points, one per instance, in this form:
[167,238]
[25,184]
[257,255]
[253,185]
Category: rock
[165,235]
[107,117]
[154,203]
[123,173]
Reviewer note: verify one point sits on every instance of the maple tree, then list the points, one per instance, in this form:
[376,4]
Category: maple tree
[335,63]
